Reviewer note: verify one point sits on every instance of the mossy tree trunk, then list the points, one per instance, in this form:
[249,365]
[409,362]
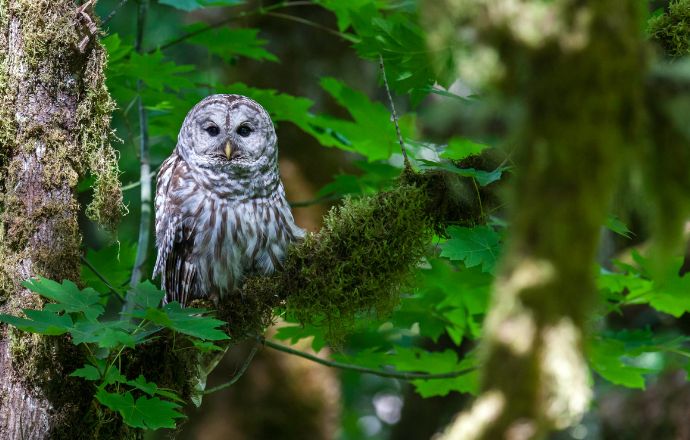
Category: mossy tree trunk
[54,128]
[578,74]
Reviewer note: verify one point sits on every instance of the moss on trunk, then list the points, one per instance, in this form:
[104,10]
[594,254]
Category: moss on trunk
[54,130]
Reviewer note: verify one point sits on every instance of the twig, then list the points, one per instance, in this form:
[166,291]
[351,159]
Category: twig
[311,24]
[95,271]
[113,12]
[316,201]
[237,375]
[225,21]
[145,219]
[133,185]
[394,375]
[395,115]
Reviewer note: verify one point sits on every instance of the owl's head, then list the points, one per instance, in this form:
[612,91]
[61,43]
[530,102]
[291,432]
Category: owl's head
[230,132]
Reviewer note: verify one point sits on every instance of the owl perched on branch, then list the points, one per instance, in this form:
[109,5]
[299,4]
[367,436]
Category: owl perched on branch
[221,211]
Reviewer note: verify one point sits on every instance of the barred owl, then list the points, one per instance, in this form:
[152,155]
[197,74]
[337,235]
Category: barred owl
[221,211]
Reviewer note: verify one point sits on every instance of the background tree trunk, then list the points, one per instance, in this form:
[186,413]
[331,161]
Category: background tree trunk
[54,119]
[577,70]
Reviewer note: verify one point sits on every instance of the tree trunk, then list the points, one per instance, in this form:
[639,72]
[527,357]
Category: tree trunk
[577,70]
[54,119]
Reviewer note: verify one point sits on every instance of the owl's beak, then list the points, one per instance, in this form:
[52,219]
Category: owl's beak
[228,149]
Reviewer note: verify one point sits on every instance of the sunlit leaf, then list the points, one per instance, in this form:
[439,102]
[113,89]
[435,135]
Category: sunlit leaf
[473,246]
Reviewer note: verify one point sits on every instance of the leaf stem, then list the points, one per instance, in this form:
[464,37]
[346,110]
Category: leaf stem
[316,201]
[237,375]
[260,11]
[313,24]
[145,165]
[100,276]
[410,375]
[394,113]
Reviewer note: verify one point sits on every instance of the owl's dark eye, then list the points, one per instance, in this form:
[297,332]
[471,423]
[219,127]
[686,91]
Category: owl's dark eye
[212,130]
[244,130]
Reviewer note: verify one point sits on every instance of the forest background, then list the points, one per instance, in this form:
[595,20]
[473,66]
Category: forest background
[544,165]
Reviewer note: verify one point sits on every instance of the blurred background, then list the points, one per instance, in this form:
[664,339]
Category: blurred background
[286,397]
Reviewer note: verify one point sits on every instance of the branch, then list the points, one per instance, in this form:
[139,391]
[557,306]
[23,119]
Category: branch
[136,184]
[221,23]
[316,201]
[395,115]
[237,375]
[113,12]
[343,366]
[313,24]
[145,219]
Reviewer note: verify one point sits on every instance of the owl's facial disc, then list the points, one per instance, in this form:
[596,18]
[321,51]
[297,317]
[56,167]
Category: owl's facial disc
[231,132]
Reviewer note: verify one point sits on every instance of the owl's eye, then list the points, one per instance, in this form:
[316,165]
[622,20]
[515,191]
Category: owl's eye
[244,130]
[212,130]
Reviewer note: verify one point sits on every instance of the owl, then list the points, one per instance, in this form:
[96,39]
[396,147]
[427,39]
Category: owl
[221,211]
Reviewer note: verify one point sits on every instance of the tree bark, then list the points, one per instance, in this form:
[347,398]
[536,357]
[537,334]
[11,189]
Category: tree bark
[54,118]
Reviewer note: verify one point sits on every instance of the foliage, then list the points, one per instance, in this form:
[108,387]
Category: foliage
[375,281]
[80,314]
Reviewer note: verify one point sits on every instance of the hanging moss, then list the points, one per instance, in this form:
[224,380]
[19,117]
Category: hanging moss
[672,29]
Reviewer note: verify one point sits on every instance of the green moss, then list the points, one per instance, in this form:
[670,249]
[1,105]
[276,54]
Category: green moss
[355,264]
[41,235]
[101,159]
[672,29]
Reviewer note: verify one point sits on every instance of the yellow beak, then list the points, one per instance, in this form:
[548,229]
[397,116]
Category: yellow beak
[228,150]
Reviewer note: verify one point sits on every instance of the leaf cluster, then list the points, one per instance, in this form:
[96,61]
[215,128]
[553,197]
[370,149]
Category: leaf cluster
[79,313]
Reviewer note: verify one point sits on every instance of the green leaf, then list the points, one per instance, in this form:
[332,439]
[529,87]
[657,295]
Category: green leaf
[459,149]
[148,413]
[140,383]
[614,224]
[145,295]
[482,177]
[88,372]
[40,321]
[114,263]
[371,133]
[191,5]
[158,413]
[112,375]
[188,321]
[605,358]
[206,347]
[397,36]
[376,176]
[229,43]
[295,333]
[466,383]
[167,73]
[108,334]
[68,296]
[473,246]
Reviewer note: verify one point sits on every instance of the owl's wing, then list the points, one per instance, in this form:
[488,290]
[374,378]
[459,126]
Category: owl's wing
[174,238]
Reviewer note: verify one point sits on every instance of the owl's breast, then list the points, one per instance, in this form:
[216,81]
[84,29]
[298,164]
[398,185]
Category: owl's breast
[235,238]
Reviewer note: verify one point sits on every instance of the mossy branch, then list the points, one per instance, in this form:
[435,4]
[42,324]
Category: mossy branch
[357,263]
[672,29]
